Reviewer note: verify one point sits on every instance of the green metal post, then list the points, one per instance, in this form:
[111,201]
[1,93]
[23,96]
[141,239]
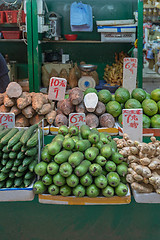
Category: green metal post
[30,46]
[140,44]
[36,53]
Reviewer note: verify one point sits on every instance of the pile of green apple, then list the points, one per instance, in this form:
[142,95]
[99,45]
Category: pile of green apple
[81,163]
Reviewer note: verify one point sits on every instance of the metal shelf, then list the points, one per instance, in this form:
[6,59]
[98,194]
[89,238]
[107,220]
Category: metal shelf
[76,41]
[11,40]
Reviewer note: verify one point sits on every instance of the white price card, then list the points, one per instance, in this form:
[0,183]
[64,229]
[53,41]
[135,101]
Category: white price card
[129,73]
[77,119]
[57,88]
[7,120]
[133,123]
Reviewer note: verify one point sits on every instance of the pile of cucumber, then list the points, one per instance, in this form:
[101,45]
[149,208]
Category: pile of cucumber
[18,156]
[81,163]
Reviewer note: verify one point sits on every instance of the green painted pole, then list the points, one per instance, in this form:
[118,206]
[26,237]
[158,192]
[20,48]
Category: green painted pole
[30,46]
[140,44]
[36,51]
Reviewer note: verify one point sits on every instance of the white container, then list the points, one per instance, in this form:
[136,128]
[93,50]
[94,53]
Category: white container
[118,29]
[114,22]
[146,197]
[118,37]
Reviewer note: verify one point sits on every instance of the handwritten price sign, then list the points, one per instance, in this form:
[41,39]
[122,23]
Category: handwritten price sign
[129,73]
[133,123]
[57,88]
[7,120]
[77,119]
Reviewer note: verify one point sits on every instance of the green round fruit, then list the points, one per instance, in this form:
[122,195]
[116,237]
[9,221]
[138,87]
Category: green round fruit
[79,191]
[138,94]
[120,120]
[113,97]
[113,179]
[65,190]
[92,191]
[150,107]
[146,121]
[155,121]
[41,169]
[122,95]
[158,104]
[148,96]
[101,181]
[39,187]
[90,90]
[108,191]
[110,166]
[132,103]
[53,189]
[114,108]
[104,96]
[47,179]
[155,95]
[121,190]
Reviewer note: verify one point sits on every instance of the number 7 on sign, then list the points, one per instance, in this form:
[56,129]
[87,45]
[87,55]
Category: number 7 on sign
[57,88]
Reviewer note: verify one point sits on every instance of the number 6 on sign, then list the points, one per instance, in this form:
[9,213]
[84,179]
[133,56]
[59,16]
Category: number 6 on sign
[57,88]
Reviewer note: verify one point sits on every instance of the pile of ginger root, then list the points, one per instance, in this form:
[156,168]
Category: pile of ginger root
[144,163]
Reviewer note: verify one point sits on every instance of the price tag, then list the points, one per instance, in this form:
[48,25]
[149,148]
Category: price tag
[133,123]
[57,88]
[7,120]
[129,73]
[77,119]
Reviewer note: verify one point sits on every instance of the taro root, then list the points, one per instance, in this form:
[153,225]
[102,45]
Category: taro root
[107,120]
[92,120]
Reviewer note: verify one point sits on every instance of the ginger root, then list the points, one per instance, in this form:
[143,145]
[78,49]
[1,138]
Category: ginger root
[142,187]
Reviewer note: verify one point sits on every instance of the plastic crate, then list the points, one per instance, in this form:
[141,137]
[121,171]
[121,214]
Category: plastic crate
[118,37]
[11,34]
[2,17]
[11,16]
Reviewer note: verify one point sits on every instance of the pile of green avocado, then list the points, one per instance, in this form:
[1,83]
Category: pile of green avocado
[81,163]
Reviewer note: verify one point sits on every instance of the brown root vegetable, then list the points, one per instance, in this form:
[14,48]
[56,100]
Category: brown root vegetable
[14,90]
[53,73]
[142,187]
[8,102]
[21,121]
[38,100]
[52,105]
[95,76]
[92,120]
[46,108]
[4,109]
[59,111]
[1,98]
[28,112]
[60,120]
[24,100]
[90,101]
[76,96]
[72,78]
[100,109]
[50,117]
[63,74]
[81,108]
[107,120]
[36,119]
[66,106]
[77,71]
[15,110]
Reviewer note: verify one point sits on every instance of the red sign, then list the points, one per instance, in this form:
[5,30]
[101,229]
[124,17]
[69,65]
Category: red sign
[7,120]
[133,123]
[57,88]
[130,64]
[77,119]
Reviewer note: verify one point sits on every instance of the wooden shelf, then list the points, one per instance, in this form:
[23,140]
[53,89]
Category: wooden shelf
[11,40]
[66,41]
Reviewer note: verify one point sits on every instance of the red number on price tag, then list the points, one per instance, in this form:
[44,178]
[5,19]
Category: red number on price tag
[7,120]
[77,119]
[57,88]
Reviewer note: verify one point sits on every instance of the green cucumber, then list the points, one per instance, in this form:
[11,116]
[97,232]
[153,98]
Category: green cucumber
[20,155]
[2,184]
[22,168]
[27,134]
[24,148]
[18,181]
[12,175]
[1,145]
[15,139]
[32,151]
[33,141]
[22,186]
[19,174]
[9,164]
[3,176]
[29,175]
[9,182]
[12,155]
[5,156]
[27,161]
[4,170]
[1,154]
[32,165]
[14,169]
[17,147]
[1,128]
[5,149]
[17,162]
[4,161]
[27,182]
[8,136]
[4,132]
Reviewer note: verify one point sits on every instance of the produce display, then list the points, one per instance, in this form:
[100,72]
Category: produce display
[81,163]
[29,108]
[18,156]
[144,163]
[113,75]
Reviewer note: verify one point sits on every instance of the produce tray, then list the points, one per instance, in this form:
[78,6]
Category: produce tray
[17,194]
[49,199]
[112,131]
[146,197]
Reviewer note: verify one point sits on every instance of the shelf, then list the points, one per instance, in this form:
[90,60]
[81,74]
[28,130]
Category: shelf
[77,41]
[11,40]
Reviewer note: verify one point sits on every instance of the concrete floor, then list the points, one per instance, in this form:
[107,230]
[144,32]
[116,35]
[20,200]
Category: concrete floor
[151,79]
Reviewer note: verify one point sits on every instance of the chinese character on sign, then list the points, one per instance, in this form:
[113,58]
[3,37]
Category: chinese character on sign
[129,73]
[77,119]
[57,88]
[7,120]
[130,64]
[133,123]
